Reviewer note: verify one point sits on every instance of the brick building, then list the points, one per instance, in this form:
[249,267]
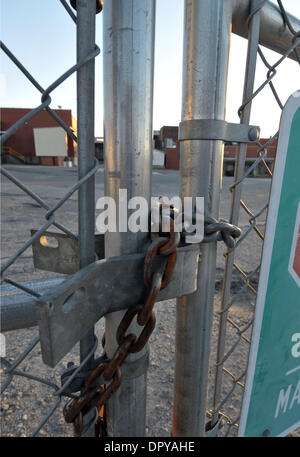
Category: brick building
[21,145]
[168,142]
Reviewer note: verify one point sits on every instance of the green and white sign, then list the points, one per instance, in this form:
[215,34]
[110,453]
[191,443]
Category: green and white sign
[271,404]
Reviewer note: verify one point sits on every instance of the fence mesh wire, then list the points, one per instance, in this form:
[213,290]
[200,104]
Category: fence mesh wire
[232,330]
[239,284]
[12,370]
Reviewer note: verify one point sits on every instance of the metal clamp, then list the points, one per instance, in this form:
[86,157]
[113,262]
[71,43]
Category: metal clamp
[216,129]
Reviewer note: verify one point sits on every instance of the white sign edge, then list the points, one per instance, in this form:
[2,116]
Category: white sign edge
[289,110]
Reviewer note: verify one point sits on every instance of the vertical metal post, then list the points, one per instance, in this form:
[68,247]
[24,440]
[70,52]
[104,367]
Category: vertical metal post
[128,64]
[253,41]
[205,63]
[86,11]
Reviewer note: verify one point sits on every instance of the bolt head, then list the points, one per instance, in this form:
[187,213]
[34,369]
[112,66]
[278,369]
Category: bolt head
[254,133]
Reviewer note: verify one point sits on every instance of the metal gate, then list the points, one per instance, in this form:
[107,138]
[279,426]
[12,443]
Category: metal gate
[211,334]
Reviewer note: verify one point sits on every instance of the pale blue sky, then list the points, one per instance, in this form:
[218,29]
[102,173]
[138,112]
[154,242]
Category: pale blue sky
[42,36]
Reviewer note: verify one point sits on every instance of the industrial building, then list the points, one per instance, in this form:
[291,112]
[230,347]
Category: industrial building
[40,141]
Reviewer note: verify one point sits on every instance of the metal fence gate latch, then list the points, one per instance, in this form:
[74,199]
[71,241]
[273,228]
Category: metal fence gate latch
[116,283]
[100,288]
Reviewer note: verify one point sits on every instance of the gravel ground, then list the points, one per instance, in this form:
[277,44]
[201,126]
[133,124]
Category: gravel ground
[25,402]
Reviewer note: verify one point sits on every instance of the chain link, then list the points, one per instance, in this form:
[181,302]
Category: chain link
[94,395]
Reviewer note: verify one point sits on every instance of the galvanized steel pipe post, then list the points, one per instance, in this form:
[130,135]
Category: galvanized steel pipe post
[253,42]
[273,32]
[128,65]
[207,27]
[86,11]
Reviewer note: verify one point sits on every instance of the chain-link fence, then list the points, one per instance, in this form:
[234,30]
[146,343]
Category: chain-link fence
[33,413]
[31,400]
[242,263]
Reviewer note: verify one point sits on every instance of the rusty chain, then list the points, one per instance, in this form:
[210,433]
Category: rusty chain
[95,393]
[159,265]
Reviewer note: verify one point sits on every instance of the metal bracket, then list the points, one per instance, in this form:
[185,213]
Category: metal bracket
[59,253]
[108,285]
[216,129]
